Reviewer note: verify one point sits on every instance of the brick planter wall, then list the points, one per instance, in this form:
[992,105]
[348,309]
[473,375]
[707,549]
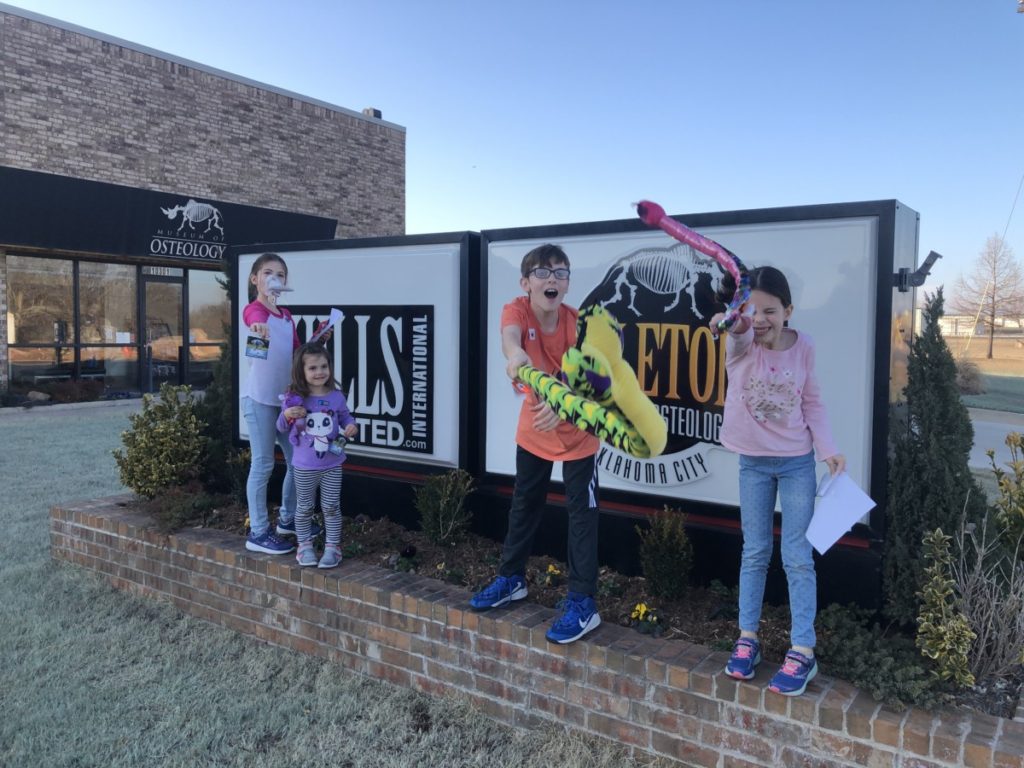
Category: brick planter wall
[655,697]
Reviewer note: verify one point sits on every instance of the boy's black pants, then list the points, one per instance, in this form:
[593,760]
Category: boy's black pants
[533,475]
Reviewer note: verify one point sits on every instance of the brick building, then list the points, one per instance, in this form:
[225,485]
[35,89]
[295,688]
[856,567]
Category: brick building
[125,173]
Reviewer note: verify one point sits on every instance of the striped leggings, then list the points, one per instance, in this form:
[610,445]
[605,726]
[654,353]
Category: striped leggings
[306,483]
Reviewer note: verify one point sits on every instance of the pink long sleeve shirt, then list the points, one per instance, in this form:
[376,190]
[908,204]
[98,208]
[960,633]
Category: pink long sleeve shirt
[773,405]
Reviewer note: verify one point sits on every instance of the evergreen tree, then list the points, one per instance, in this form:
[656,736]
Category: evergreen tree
[217,411]
[930,484]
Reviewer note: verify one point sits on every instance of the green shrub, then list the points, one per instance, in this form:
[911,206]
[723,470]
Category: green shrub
[609,584]
[237,472]
[666,555]
[164,446]
[1010,504]
[441,503]
[943,634]
[222,462]
[216,410]
[180,506]
[968,378]
[888,667]
[930,483]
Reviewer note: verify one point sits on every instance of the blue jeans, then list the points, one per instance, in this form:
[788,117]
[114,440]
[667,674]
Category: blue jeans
[261,420]
[793,479]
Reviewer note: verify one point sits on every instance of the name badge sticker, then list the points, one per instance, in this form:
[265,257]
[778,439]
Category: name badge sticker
[257,346]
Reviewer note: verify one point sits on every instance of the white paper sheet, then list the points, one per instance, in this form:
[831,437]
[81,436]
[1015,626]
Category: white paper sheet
[839,504]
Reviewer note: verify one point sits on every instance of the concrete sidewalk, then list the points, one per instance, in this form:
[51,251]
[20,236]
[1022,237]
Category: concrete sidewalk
[116,407]
[990,431]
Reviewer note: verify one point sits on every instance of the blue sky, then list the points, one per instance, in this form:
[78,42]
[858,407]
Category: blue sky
[544,112]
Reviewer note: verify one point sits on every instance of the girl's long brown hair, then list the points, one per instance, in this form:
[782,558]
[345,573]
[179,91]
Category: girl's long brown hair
[312,349]
[258,265]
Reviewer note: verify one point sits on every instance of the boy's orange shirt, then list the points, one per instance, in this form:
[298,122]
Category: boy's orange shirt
[565,442]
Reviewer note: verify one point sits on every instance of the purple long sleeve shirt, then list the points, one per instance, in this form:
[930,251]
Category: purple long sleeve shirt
[326,418]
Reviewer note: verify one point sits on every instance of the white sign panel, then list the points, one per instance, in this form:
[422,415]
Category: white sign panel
[663,294]
[396,350]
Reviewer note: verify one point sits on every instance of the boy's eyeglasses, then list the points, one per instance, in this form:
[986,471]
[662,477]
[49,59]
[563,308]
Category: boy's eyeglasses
[543,273]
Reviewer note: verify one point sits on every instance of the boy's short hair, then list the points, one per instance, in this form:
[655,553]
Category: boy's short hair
[543,256]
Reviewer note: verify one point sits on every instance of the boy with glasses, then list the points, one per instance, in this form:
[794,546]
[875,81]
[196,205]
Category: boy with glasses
[536,330]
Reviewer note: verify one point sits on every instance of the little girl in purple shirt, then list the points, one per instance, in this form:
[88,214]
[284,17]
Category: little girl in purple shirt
[316,415]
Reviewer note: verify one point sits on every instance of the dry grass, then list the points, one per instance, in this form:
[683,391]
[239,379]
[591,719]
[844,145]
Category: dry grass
[96,677]
[1007,354]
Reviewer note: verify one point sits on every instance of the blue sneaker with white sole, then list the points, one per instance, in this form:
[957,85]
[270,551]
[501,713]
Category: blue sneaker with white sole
[796,672]
[746,655]
[579,616]
[268,544]
[502,591]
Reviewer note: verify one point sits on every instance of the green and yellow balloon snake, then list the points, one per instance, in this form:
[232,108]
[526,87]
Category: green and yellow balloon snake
[598,392]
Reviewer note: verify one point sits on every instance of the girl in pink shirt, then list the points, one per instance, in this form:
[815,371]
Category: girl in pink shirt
[270,364]
[775,420]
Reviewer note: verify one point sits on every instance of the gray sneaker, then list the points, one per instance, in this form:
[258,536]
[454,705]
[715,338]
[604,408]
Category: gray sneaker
[306,556]
[331,558]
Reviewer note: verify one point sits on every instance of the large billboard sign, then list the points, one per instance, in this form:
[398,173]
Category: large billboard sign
[663,292]
[397,352]
[383,358]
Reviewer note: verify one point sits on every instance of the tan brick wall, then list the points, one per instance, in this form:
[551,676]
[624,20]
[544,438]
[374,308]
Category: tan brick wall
[653,696]
[3,320]
[82,106]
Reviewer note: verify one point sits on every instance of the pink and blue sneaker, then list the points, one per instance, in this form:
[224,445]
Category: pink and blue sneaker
[796,672]
[746,655]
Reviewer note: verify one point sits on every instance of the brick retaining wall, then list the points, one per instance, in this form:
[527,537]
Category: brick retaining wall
[656,697]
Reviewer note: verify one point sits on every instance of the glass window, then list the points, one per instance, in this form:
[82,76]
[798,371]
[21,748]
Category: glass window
[30,367]
[39,301]
[107,296]
[208,307]
[116,366]
[201,363]
[163,313]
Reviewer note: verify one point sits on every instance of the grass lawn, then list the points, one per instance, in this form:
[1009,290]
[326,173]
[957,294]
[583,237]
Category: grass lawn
[1007,354]
[1003,373]
[1002,393]
[95,677]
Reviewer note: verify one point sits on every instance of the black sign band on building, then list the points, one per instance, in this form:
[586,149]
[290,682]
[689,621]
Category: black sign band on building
[49,212]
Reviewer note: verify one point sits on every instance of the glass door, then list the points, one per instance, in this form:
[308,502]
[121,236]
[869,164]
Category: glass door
[162,313]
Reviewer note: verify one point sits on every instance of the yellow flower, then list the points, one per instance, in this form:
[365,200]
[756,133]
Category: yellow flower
[639,611]
[553,570]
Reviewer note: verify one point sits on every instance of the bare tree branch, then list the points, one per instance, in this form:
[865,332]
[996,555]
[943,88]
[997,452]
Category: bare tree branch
[993,290]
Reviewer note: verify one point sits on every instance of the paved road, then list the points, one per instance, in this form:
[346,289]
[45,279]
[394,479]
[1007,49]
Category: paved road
[990,431]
